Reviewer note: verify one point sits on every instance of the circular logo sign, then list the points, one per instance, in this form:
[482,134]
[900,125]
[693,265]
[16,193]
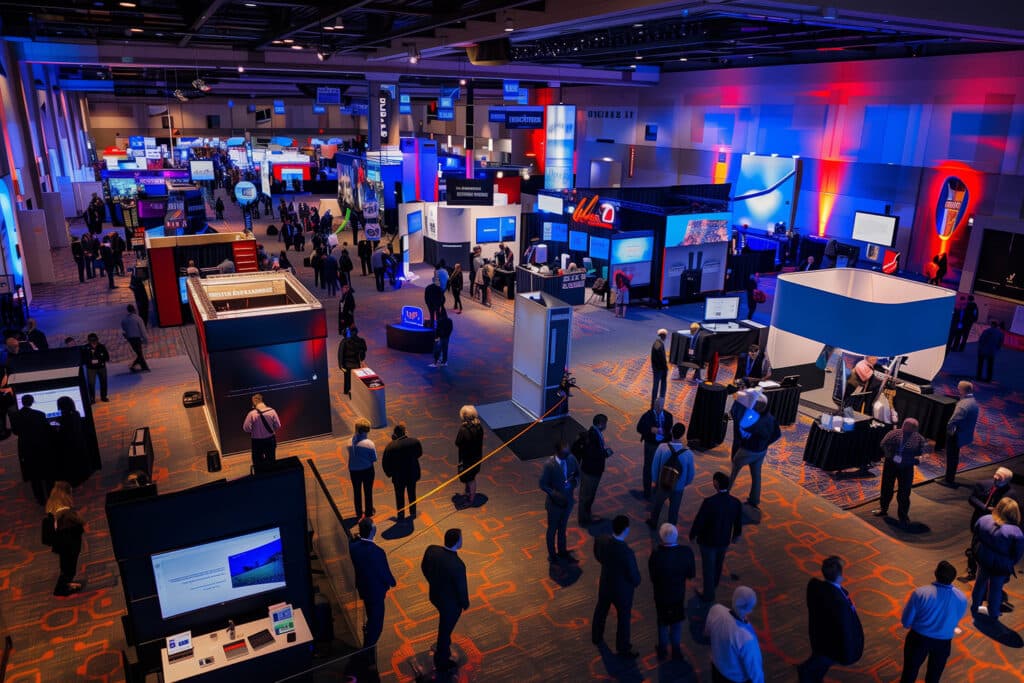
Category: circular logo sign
[245,193]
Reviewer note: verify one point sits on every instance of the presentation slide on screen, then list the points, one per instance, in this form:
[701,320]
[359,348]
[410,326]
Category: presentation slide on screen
[697,229]
[722,308]
[874,228]
[632,250]
[201,170]
[46,400]
[765,191]
[213,573]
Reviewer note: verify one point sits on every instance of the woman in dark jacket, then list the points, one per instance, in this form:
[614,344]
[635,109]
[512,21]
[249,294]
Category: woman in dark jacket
[670,565]
[455,284]
[68,528]
[470,442]
[1000,548]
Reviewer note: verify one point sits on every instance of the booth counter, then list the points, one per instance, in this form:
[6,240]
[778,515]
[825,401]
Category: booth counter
[569,287]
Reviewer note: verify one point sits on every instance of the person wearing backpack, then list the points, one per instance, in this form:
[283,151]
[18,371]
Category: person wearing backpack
[262,424]
[754,443]
[671,473]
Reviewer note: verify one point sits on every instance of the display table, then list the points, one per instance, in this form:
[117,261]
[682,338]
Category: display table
[504,281]
[932,411]
[271,662]
[570,287]
[705,430]
[725,343]
[783,403]
[368,398]
[410,338]
[832,451]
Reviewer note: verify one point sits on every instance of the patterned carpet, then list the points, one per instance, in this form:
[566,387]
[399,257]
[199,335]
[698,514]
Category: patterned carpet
[525,622]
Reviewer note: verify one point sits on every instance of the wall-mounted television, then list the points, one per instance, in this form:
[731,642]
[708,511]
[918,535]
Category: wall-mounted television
[201,170]
[875,228]
[200,576]
[577,240]
[508,228]
[697,229]
[546,202]
[415,221]
[600,247]
[632,250]
[488,230]
[557,232]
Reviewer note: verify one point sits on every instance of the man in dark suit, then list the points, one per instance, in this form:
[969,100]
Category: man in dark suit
[34,447]
[654,427]
[346,309]
[373,580]
[753,366]
[960,430]
[989,343]
[401,462]
[809,265]
[659,365]
[446,576]
[718,523]
[694,353]
[983,500]
[964,317]
[837,636]
[620,577]
[592,467]
[558,480]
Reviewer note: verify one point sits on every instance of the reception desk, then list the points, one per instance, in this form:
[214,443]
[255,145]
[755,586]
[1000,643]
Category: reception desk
[569,287]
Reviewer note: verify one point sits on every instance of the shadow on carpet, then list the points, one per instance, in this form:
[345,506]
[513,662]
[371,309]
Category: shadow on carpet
[539,441]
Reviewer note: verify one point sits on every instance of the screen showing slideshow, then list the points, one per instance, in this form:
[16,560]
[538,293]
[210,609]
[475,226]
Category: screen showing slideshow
[508,228]
[765,191]
[697,229]
[415,220]
[577,240]
[488,230]
[46,400]
[193,578]
[599,247]
[632,250]
[559,232]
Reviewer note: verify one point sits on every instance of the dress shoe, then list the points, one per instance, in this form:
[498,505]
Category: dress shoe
[105,399]
[881,512]
[662,652]
[568,557]
[677,652]
[446,665]
[597,641]
[1006,607]
[628,654]
[904,522]
[948,484]
[982,609]
[552,559]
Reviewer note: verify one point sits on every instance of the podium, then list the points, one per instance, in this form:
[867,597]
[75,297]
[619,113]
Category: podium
[368,397]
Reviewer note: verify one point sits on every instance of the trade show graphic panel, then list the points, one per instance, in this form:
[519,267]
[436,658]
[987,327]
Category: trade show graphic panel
[1001,265]
[537,372]
[696,229]
[765,191]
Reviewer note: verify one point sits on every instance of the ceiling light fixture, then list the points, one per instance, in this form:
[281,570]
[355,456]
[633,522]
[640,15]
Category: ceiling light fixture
[275,42]
[462,81]
[135,30]
[638,56]
[287,41]
[413,52]
[128,5]
[339,26]
[328,28]
[250,4]
[509,25]
[241,69]
[296,47]
[682,59]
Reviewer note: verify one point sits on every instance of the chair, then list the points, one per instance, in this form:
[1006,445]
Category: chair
[599,289]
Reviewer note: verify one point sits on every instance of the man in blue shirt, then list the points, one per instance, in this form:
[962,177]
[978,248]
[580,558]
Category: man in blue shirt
[675,455]
[931,614]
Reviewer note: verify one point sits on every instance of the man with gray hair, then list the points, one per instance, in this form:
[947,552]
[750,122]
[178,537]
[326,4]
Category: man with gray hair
[960,430]
[983,500]
[902,448]
[670,565]
[735,652]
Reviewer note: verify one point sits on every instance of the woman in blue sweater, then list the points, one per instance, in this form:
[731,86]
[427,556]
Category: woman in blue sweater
[362,455]
[1000,547]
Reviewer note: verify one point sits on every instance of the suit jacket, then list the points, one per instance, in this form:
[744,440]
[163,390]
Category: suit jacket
[34,442]
[984,497]
[964,420]
[446,574]
[594,456]
[719,520]
[659,361]
[650,419]
[990,341]
[401,459]
[833,623]
[373,573]
[619,572]
[558,487]
[761,367]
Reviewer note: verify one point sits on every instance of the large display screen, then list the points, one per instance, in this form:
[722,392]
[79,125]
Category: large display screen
[488,230]
[122,188]
[201,170]
[999,265]
[697,229]
[557,232]
[600,247]
[721,308]
[874,228]
[632,250]
[508,228]
[577,240]
[415,222]
[46,400]
[546,202]
[765,191]
[183,288]
[201,576]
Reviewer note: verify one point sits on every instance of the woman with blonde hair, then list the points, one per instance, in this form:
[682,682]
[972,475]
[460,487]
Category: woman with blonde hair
[362,455]
[470,442]
[1000,548]
[66,537]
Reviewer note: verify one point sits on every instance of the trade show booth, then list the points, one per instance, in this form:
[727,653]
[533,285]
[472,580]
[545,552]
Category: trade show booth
[441,231]
[541,350]
[261,333]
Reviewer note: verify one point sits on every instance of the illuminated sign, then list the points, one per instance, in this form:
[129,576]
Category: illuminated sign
[245,193]
[404,104]
[412,315]
[510,89]
[593,211]
[328,95]
[279,107]
[951,207]
[560,146]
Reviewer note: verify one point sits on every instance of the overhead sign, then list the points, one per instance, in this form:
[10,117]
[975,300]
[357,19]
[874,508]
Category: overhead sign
[136,142]
[245,193]
[445,114]
[319,109]
[524,118]
[523,97]
[444,103]
[595,212]
[452,92]
[404,104]
[560,146]
[470,192]
[496,115]
[279,107]
[510,90]
[327,95]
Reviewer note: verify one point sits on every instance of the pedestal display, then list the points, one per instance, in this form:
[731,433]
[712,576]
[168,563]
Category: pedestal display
[540,353]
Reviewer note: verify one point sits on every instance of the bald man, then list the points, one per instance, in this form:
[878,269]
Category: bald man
[902,448]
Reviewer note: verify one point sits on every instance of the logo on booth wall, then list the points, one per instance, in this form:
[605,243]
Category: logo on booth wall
[951,206]
[594,212]
[412,315]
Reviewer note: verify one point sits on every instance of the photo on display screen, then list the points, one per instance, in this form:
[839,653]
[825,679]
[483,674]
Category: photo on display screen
[123,188]
[577,240]
[200,576]
[201,170]
[874,228]
[765,191]
[415,222]
[697,229]
[632,250]
[600,247]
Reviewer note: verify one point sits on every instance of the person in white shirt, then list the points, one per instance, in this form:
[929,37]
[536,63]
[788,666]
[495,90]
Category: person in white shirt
[735,652]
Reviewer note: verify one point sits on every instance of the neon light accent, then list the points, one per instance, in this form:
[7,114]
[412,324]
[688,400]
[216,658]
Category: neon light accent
[344,222]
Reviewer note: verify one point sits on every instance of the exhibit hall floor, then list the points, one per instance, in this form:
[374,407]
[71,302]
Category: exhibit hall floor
[526,622]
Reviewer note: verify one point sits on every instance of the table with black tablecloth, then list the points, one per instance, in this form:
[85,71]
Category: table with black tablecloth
[725,343]
[746,264]
[832,451]
[783,403]
[706,419]
[932,411]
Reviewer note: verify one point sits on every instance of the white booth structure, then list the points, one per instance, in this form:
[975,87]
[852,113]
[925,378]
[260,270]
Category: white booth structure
[861,312]
[540,353]
[437,231]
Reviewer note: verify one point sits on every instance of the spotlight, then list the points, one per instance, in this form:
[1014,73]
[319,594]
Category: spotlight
[462,81]
[509,25]
[414,54]
[241,69]
[682,59]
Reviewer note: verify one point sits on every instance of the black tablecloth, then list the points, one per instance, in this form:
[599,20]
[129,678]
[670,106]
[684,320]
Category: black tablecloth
[931,410]
[746,264]
[706,426]
[833,451]
[410,338]
[783,403]
[725,343]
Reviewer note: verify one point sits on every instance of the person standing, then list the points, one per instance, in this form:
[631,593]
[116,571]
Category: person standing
[78,255]
[35,447]
[963,320]
[754,443]
[470,442]
[89,247]
[592,467]
[346,309]
[671,472]
[34,336]
[659,366]
[654,427]
[735,652]
[931,616]
[351,354]
[719,522]
[476,265]
[960,430]
[345,266]
[989,343]
[72,465]
[455,285]
[449,593]
[401,462]
[377,262]
[373,581]
[837,636]
[365,249]
[902,448]
[442,337]
[1000,548]
[433,297]
[68,529]
[118,246]
[983,500]
[329,274]
[138,287]
[109,262]
[620,577]
[135,332]
[751,289]
[694,353]
[558,480]
[218,207]
[362,455]
[669,566]
[95,358]
[261,424]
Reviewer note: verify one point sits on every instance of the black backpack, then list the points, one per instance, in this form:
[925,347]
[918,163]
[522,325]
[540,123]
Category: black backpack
[579,446]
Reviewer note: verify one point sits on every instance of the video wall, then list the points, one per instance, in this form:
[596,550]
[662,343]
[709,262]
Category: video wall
[1001,265]
[696,229]
[765,191]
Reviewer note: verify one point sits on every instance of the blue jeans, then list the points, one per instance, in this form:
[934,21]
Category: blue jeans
[670,634]
[674,498]
[754,461]
[990,588]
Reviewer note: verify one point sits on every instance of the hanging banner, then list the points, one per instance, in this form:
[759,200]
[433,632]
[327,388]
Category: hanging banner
[560,146]
[383,124]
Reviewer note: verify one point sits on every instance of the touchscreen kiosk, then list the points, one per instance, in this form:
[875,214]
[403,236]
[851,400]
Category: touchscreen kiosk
[721,308]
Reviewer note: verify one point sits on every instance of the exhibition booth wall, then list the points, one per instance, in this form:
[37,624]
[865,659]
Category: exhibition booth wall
[438,231]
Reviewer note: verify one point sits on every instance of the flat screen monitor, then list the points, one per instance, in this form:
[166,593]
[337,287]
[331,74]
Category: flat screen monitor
[546,202]
[415,221]
[122,188]
[577,240]
[154,187]
[721,308]
[874,228]
[183,288]
[200,576]
[201,170]
[46,400]
[632,250]
[488,230]
[508,228]
[697,229]
[559,232]
[600,247]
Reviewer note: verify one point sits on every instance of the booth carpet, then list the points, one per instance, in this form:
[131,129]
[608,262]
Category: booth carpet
[523,624]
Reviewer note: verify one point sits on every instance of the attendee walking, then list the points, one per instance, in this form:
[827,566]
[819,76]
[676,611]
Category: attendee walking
[345,267]
[401,462]
[654,427]
[669,566]
[78,255]
[989,343]
[558,480]
[449,593]
[455,284]
[902,448]
[931,616]
[671,473]
[66,537]
[719,523]
[135,332]
[346,309]
[984,498]
[365,250]
[218,207]
[138,287]
[960,430]
[35,447]
[470,442]
[836,634]
[964,318]
[735,652]
[95,358]
[442,339]
[620,577]
[351,354]
[329,274]
[373,581]
[362,455]
[262,424]
[659,366]
[377,262]
[1000,548]
[107,257]
[754,443]
[592,463]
